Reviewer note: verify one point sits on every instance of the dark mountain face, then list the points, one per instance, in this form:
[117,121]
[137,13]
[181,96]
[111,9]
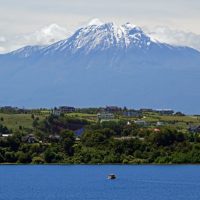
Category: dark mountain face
[103,64]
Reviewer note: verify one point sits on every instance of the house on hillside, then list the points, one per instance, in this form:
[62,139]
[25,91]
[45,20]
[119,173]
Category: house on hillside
[132,113]
[157,130]
[146,110]
[54,137]
[140,122]
[56,112]
[30,138]
[160,123]
[5,135]
[113,109]
[66,109]
[105,116]
[62,109]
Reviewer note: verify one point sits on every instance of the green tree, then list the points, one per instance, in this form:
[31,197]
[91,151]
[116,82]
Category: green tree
[24,157]
[68,140]
[50,156]
[10,157]
[1,158]
[33,116]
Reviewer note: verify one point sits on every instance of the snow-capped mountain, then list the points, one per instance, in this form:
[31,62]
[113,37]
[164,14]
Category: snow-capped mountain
[100,64]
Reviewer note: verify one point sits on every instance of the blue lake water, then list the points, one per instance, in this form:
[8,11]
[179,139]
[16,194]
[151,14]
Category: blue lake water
[88,182]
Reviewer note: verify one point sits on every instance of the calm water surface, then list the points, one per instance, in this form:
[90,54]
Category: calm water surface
[90,183]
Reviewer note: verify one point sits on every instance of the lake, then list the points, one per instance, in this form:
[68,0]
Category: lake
[89,182]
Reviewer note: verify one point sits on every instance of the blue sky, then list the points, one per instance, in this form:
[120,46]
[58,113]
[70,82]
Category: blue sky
[19,18]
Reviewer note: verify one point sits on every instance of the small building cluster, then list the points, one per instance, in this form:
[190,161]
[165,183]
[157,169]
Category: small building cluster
[105,116]
[132,113]
[5,135]
[63,109]
[67,109]
[160,123]
[30,138]
[113,109]
[140,122]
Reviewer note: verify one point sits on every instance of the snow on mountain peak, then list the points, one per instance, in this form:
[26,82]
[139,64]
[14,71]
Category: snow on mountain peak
[128,25]
[95,22]
[101,36]
[98,35]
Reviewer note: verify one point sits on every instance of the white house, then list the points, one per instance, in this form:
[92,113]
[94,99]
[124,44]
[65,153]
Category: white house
[159,123]
[140,122]
[6,135]
[105,116]
[56,112]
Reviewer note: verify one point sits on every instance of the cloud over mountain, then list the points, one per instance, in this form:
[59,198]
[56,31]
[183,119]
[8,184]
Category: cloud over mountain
[45,36]
[2,41]
[53,33]
[2,49]
[176,37]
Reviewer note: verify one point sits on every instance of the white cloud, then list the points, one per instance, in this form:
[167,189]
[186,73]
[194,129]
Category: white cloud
[95,21]
[2,49]
[2,43]
[176,37]
[2,39]
[44,36]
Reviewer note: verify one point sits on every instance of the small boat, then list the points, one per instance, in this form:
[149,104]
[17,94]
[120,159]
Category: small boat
[111,176]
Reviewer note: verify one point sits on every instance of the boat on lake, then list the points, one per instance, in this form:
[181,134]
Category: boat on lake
[111,176]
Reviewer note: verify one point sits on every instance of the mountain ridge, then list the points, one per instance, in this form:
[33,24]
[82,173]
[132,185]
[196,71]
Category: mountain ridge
[102,64]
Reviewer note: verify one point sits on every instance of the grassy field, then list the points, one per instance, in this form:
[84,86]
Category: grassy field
[90,117]
[172,120]
[13,121]
[169,118]
[177,121]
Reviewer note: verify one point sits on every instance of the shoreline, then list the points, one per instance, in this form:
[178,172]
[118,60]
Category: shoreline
[117,164]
